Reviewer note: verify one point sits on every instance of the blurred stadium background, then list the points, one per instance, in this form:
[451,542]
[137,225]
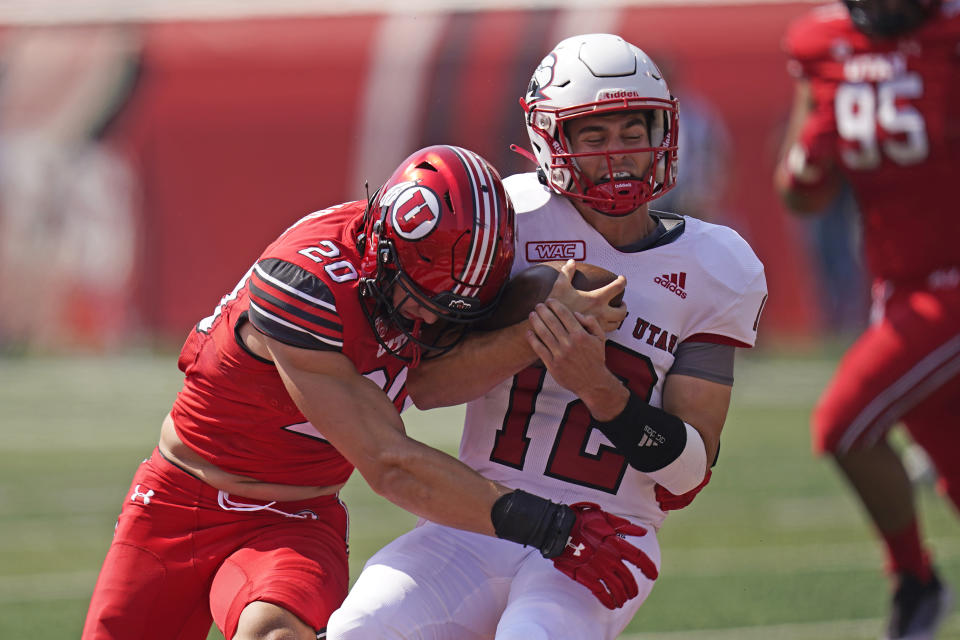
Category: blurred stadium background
[149,150]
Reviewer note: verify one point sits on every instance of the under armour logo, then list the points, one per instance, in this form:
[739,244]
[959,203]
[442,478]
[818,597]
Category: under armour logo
[143,496]
[577,548]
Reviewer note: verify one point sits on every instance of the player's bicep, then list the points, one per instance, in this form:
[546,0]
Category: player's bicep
[294,306]
[351,412]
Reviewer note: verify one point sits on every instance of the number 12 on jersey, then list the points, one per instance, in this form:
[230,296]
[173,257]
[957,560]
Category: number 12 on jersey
[569,459]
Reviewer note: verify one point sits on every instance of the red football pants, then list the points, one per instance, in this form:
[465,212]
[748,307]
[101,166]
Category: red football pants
[185,554]
[905,367]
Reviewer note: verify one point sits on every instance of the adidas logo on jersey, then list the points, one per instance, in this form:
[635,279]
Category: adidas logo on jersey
[674,282]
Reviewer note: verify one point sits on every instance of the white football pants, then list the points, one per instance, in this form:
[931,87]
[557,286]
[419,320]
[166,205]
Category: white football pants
[438,583]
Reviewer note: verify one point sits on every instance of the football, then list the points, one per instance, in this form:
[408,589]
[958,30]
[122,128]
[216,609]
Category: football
[532,286]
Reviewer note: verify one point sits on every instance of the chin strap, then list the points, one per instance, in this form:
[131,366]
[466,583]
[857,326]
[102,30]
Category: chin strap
[525,153]
[417,351]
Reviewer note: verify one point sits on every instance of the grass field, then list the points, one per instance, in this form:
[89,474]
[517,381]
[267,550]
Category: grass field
[775,547]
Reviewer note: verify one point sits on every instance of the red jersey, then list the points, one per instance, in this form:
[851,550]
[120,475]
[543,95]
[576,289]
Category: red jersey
[234,409]
[889,111]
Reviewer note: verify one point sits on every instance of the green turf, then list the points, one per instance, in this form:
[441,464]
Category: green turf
[775,547]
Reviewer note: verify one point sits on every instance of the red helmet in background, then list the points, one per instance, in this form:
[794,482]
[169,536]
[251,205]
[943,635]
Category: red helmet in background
[890,18]
[442,228]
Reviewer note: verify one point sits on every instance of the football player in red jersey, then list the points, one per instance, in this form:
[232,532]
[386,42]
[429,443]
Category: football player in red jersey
[877,104]
[297,378]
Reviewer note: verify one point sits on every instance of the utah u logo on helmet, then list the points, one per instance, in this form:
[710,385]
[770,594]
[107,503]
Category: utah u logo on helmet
[415,212]
[442,229]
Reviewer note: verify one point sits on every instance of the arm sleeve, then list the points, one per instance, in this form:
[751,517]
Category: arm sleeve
[706,360]
[292,305]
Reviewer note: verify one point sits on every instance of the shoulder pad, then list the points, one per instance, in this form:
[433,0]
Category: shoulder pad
[293,305]
[738,279]
[526,191]
[812,35]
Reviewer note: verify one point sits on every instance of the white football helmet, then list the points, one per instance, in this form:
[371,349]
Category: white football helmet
[595,74]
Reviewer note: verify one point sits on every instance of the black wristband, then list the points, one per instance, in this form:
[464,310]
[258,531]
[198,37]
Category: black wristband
[528,519]
[649,438]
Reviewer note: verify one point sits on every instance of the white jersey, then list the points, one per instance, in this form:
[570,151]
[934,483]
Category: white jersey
[528,432]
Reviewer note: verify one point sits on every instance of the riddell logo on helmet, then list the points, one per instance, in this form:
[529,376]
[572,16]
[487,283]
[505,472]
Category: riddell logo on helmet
[462,305]
[613,94]
[674,282]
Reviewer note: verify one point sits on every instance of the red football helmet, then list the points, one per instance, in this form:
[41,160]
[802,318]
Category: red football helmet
[596,74]
[442,228]
[890,18]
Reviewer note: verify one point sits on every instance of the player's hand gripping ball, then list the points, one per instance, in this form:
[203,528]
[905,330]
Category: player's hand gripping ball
[532,286]
[596,551]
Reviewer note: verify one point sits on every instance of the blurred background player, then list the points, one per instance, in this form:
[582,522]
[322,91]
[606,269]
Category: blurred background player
[297,377]
[627,417]
[877,104]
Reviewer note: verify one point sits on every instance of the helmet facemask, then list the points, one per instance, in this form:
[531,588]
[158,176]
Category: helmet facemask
[407,339]
[615,196]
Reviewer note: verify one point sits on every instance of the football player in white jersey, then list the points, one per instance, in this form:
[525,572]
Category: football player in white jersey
[626,417]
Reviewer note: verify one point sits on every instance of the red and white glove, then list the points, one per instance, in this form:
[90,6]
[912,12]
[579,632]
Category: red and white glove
[671,501]
[596,551]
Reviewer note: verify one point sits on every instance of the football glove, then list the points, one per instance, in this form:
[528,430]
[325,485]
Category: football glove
[810,160]
[595,553]
[670,501]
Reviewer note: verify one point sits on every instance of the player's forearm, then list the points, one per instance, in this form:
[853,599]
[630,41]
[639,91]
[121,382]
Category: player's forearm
[481,362]
[806,177]
[700,403]
[356,417]
[435,486]
[606,397]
